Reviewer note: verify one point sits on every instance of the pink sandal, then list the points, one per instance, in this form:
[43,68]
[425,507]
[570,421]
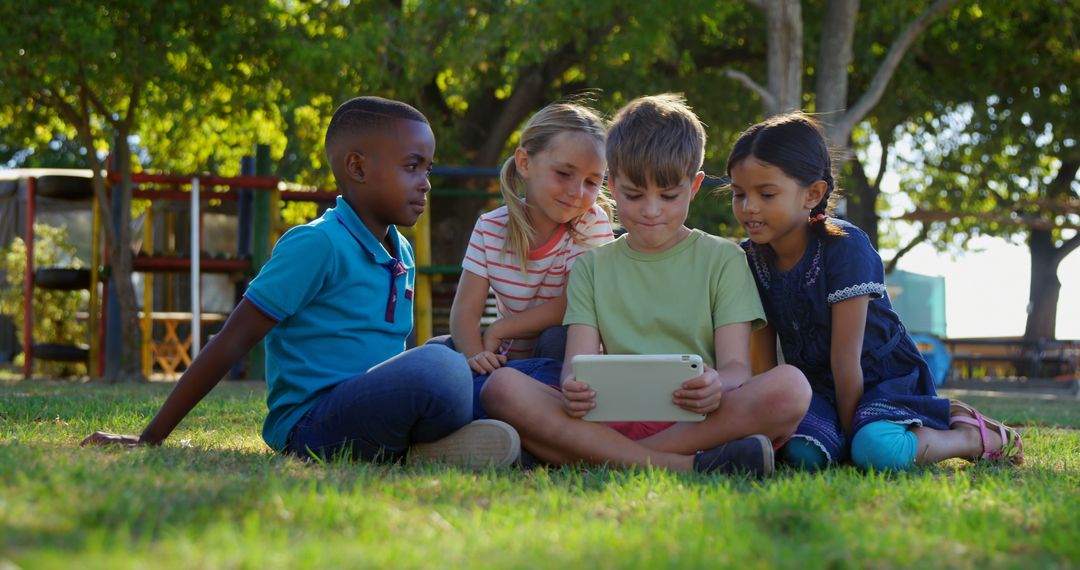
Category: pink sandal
[1012,447]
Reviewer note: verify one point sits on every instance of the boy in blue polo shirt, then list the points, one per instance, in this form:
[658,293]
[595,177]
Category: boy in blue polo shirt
[335,305]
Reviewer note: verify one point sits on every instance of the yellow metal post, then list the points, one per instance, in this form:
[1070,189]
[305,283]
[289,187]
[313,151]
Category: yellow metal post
[148,298]
[422,231]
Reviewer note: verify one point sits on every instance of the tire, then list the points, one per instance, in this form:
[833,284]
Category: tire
[62,278]
[61,352]
[65,187]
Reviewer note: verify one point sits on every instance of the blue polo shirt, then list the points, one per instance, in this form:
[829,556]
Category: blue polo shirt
[343,305]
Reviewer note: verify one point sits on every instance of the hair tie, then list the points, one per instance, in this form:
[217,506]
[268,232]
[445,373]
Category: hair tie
[817,218]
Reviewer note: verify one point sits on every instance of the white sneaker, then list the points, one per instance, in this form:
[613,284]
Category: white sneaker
[479,444]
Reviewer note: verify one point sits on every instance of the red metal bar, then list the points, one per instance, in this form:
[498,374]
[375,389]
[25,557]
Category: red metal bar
[144,263]
[258,182]
[302,196]
[28,281]
[232,195]
[182,196]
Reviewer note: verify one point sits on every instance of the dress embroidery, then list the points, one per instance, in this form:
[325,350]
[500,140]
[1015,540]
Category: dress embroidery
[871,288]
[759,266]
[815,265]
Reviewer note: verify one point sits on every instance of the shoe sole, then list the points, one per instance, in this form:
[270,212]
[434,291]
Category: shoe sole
[479,444]
[768,452]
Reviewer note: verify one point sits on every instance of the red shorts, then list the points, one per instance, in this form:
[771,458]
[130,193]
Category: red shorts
[639,430]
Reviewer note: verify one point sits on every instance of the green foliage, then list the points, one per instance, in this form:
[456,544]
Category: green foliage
[213,496]
[990,136]
[54,311]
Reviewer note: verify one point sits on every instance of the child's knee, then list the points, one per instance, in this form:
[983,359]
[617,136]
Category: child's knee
[789,394]
[804,454]
[499,388]
[883,446]
[444,374]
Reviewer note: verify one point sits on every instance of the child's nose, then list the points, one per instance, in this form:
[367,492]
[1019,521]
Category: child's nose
[577,189]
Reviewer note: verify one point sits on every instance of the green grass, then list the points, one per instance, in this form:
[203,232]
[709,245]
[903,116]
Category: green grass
[214,496]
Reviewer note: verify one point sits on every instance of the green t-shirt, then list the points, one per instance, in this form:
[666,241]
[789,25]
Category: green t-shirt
[663,303]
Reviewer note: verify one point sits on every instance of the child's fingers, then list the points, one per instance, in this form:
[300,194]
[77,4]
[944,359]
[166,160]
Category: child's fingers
[485,362]
[476,367]
[571,385]
[577,408]
[701,401]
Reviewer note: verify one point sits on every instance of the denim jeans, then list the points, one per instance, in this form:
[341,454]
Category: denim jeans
[550,343]
[420,395]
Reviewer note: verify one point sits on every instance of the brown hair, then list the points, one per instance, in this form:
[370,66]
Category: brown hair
[656,139]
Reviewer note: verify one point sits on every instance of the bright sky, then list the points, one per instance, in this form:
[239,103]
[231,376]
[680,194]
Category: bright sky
[986,291]
[986,287]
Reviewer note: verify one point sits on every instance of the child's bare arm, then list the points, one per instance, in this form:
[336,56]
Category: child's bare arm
[578,397]
[245,327]
[702,394]
[469,301]
[526,323]
[845,356]
[763,350]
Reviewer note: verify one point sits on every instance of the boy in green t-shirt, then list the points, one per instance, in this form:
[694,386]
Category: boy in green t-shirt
[660,288]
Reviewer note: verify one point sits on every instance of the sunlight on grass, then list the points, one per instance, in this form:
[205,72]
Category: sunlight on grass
[215,496]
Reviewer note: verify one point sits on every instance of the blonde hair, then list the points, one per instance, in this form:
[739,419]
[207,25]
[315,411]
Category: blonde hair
[536,137]
[656,139]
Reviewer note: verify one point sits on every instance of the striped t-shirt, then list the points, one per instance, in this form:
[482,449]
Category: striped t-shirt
[548,265]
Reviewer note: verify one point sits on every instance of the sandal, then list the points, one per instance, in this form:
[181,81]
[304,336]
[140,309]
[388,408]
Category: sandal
[1012,447]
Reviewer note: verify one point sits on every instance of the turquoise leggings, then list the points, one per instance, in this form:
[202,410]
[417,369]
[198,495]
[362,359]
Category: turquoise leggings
[880,445]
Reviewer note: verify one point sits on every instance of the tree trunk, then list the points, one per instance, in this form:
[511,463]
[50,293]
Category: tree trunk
[121,260]
[861,198]
[785,55]
[1045,260]
[1045,287]
[831,73]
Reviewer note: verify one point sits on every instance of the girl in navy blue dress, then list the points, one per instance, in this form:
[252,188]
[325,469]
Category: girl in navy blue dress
[823,288]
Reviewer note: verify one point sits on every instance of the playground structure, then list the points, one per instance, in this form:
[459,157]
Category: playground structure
[172,334]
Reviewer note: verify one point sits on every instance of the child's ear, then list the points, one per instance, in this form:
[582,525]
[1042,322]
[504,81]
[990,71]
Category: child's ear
[815,192]
[355,164]
[521,161]
[696,184]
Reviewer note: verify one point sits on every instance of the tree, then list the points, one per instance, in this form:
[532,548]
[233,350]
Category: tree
[839,108]
[1006,156]
[480,69]
[104,69]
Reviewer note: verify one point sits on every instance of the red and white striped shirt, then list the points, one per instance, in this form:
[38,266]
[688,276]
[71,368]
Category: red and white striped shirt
[548,266]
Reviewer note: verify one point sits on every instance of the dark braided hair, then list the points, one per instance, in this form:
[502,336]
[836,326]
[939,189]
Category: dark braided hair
[795,144]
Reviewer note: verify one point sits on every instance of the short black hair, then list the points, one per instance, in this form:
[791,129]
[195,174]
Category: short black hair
[366,113]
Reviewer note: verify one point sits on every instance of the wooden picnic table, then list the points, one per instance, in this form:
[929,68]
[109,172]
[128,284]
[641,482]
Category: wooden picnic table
[172,353]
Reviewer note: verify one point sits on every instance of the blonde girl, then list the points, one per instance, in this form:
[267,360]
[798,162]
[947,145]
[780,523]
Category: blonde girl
[555,209]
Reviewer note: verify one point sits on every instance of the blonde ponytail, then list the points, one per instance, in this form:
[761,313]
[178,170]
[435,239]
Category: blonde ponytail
[519,231]
[564,116]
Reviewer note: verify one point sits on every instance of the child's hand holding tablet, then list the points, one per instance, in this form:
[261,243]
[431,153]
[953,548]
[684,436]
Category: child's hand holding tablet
[634,387]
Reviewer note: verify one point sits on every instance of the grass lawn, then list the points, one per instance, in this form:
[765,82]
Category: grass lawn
[214,496]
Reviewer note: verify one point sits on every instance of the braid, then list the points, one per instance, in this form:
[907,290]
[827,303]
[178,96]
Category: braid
[819,210]
[818,220]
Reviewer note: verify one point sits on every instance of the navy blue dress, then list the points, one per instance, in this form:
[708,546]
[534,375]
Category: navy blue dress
[898,385]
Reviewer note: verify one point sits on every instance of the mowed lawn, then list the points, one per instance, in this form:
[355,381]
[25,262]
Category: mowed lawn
[214,496]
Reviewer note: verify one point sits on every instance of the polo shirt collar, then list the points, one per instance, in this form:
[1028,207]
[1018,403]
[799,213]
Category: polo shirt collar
[374,248]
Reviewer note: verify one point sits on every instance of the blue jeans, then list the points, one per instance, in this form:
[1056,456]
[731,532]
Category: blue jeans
[550,343]
[420,395]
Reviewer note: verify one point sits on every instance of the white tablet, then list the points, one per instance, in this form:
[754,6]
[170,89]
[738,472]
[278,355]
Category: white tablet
[637,387]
